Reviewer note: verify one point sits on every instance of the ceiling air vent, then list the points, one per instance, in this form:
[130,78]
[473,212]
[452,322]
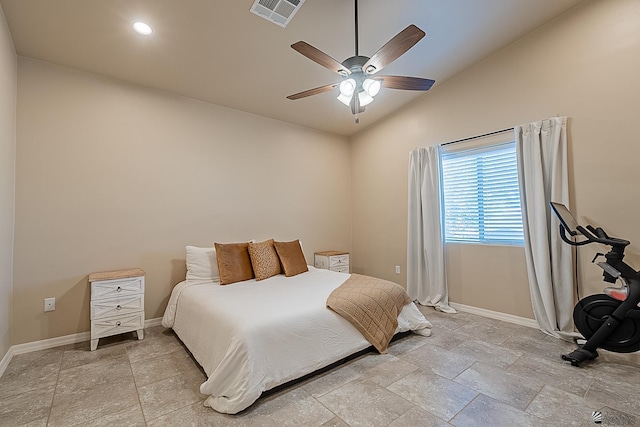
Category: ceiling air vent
[277,11]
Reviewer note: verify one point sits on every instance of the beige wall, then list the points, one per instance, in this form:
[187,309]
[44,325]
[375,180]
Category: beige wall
[585,65]
[110,176]
[8,85]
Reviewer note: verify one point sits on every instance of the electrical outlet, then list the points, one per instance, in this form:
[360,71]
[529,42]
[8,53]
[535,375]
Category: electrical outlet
[49,304]
[397,269]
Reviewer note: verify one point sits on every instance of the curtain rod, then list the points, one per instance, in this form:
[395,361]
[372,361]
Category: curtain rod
[477,136]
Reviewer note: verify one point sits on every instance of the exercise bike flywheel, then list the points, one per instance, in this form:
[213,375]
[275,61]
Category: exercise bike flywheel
[593,311]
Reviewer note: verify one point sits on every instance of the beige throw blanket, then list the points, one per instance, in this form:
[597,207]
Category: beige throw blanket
[372,305]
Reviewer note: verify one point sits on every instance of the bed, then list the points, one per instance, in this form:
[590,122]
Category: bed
[252,336]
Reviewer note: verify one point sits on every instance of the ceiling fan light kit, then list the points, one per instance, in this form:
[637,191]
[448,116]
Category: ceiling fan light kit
[358,88]
[370,88]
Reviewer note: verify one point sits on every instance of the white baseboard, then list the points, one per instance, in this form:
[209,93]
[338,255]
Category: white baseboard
[50,343]
[150,323]
[5,360]
[56,342]
[522,321]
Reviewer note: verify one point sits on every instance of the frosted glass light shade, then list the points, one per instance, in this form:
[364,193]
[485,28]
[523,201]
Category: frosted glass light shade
[346,100]
[372,87]
[347,87]
[364,98]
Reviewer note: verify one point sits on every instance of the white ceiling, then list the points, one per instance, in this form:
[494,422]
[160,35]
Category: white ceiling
[219,52]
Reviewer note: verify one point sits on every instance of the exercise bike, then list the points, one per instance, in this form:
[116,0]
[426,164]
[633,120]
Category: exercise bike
[610,320]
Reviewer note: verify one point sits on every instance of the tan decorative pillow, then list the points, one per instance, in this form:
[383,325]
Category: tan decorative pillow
[264,259]
[234,263]
[291,257]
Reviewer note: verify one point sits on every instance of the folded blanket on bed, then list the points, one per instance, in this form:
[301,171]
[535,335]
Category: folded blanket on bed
[371,305]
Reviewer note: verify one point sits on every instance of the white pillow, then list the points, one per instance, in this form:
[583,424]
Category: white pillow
[202,264]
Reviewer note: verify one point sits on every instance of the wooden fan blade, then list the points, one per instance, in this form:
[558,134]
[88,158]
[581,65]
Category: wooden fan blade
[320,57]
[402,42]
[405,83]
[314,91]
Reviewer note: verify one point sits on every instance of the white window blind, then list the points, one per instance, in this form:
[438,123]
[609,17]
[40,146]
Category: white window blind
[481,195]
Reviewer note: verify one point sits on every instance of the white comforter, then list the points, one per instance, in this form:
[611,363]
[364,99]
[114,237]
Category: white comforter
[252,336]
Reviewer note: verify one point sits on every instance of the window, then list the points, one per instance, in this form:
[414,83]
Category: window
[481,195]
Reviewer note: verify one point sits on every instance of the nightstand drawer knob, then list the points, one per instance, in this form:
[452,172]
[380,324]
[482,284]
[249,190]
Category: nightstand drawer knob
[119,289]
[118,323]
[118,307]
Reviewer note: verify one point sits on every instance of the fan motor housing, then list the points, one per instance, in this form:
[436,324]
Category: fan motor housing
[355,63]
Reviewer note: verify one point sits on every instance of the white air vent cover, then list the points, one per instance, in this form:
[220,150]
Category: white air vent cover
[277,11]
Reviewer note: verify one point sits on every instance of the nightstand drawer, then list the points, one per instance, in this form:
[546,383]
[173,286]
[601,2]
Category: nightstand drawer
[124,304]
[341,269]
[117,287]
[338,260]
[116,325]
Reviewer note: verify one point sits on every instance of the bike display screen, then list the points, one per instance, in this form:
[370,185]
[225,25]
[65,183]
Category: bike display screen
[568,221]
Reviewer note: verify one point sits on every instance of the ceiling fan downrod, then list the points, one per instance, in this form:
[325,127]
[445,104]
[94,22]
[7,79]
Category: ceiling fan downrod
[356,16]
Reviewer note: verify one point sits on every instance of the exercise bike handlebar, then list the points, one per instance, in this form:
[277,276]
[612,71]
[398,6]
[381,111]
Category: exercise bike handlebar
[614,266]
[593,235]
[568,225]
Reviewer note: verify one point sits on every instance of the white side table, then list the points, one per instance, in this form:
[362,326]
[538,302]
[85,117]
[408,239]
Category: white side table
[117,303]
[332,260]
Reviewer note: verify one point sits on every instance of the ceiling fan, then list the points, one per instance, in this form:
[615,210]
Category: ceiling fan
[360,82]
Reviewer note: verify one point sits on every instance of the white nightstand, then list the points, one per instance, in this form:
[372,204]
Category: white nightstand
[332,260]
[117,303]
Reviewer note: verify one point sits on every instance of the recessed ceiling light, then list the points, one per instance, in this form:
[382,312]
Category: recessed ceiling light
[142,28]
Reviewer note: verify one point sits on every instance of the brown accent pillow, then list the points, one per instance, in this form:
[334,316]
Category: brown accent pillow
[264,259]
[291,257]
[234,263]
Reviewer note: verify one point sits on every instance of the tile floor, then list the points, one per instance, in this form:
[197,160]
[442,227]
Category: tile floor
[472,371]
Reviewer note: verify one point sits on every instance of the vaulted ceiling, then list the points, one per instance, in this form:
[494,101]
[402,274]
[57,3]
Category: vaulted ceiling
[219,52]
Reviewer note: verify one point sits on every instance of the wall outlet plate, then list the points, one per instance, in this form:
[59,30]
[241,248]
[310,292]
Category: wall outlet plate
[397,269]
[49,304]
